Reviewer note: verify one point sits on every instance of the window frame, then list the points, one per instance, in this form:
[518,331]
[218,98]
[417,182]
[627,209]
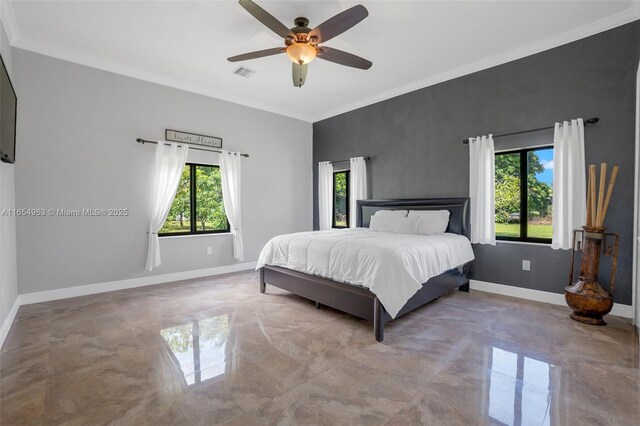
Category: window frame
[333,199]
[524,205]
[192,206]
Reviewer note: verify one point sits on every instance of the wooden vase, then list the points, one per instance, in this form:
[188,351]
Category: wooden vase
[589,301]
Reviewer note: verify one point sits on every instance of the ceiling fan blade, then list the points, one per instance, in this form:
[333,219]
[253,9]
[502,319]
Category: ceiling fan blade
[343,58]
[256,54]
[299,74]
[266,18]
[339,23]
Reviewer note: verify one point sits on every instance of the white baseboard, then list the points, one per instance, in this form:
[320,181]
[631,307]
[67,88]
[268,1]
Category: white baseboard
[625,311]
[8,321]
[84,290]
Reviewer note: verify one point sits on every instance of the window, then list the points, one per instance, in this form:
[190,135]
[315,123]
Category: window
[197,207]
[524,182]
[341,199]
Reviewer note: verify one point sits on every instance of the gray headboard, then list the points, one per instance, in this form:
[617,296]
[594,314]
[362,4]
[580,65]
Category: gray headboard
[458,207]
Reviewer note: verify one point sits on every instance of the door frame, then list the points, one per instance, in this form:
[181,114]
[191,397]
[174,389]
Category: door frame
[635,295]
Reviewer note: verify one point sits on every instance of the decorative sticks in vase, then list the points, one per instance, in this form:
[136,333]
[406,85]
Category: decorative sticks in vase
[597,209]
[588,300]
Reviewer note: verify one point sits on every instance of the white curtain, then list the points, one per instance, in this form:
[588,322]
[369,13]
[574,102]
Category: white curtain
[168,170]
[230,163]
[325,194]
[569,182]
[482,190]
[358,186]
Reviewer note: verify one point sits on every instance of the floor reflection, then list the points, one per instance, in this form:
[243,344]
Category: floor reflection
[199,348]
[519,388]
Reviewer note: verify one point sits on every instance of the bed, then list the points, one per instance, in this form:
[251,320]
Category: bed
[360,300]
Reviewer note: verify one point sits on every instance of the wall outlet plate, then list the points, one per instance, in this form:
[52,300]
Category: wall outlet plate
[526,265]
[209,250]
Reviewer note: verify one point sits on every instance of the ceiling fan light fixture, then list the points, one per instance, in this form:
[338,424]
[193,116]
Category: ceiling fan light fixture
[301,53]
[301,42]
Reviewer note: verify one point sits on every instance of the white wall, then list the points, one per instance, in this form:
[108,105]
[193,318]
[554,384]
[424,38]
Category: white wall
[77,149]
[8,269]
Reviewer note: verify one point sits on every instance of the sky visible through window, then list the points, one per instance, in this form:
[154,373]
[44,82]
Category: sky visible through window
[546,159]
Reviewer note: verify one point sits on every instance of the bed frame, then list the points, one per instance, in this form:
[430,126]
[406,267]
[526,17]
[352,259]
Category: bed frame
[361,302]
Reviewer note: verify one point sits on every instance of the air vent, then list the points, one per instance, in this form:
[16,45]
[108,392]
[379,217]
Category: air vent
[244,72]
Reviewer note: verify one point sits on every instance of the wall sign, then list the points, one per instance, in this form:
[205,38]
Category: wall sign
[192,138]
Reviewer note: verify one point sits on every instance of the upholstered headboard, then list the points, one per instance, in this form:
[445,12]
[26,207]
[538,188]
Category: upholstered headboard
[458,207]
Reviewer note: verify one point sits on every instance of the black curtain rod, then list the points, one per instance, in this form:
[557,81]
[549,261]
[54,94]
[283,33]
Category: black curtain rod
[344,161]
[143,141]
[593,120]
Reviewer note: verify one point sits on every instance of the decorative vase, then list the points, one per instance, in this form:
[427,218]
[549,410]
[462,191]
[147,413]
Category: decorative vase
[586,297]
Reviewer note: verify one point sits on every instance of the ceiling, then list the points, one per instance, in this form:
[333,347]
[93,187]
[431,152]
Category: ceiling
[412,44]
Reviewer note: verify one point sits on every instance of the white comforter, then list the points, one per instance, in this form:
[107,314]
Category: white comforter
[392,266]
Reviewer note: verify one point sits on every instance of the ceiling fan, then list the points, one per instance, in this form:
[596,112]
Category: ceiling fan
[302,43]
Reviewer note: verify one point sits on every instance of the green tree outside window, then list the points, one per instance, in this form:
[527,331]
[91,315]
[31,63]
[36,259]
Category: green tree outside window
[199,197]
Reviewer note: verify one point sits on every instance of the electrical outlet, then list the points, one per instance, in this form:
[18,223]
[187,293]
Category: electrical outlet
[209,250]
[526,265]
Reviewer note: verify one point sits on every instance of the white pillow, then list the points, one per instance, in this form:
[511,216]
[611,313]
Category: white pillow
[432,222]
[391,213]
[396,225]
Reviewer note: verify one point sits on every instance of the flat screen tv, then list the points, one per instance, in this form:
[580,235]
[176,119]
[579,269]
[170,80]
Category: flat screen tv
[8,104]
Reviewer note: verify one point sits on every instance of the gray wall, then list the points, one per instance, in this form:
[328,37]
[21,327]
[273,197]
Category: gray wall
[76,149]
[8,268]
[415,140]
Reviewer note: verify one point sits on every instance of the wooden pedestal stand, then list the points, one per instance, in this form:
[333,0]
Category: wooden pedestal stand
[589,301]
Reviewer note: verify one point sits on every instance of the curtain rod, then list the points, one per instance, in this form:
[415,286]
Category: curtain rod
[143,141]
[344,161]
[593,120]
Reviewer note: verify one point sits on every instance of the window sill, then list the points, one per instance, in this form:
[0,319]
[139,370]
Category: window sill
[527,243]
[213,234]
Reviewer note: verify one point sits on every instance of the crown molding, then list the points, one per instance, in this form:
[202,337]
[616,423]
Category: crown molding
[112,67]
[604,24]
[593,28]
[8,19]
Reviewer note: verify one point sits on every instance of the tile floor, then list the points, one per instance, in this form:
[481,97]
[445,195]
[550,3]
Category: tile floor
[214,351]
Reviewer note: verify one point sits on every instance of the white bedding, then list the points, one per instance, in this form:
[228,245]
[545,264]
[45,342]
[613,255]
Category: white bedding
[392,266]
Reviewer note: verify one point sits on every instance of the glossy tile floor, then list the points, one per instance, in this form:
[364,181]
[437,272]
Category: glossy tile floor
[215,351]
